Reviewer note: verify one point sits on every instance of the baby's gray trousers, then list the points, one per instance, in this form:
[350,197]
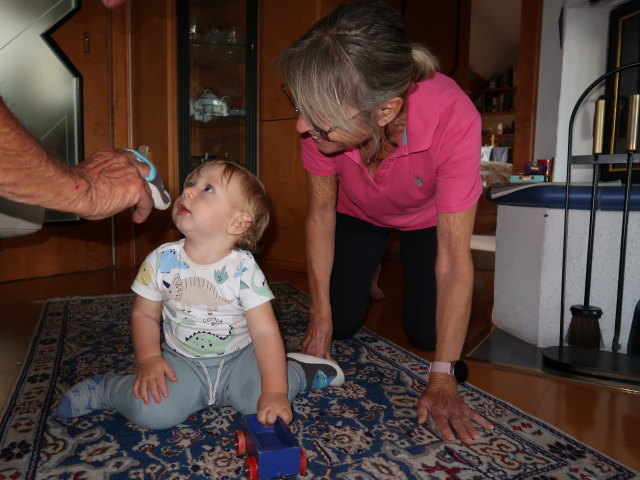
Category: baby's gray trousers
[232,380]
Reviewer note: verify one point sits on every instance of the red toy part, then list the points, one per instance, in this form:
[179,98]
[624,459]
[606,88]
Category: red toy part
[241,443]
[303,461]
[251,465]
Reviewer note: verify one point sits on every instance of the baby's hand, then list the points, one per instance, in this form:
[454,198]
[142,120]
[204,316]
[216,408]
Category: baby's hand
[272,405]
[150,379]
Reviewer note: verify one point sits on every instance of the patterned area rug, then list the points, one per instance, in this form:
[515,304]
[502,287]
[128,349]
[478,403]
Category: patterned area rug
[364,430]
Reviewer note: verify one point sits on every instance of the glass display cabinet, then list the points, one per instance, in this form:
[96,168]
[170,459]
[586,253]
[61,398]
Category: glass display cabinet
[217,82]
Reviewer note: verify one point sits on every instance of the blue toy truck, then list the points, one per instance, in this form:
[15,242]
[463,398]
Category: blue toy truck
[273,451]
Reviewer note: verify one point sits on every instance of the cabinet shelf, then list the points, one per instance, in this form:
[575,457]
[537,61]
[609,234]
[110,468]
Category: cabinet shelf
[229,120]
[495,114]
[204,43]
[499,135]
[500,89]
[213,55]
[216,52]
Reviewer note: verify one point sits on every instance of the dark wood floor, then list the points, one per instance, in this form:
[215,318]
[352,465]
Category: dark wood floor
[607,418]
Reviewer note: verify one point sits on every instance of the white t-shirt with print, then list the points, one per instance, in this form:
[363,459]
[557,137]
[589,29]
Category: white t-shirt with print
[203,305]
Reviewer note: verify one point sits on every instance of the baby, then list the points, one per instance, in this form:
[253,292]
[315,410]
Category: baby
[220,343]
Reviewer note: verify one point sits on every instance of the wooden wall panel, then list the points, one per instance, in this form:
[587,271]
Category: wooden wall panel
[279,164]
[527,96]
[284,178]
[277,31]
[444,28]
[154,118]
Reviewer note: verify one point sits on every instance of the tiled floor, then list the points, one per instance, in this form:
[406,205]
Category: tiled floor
[502,347]
[605,417]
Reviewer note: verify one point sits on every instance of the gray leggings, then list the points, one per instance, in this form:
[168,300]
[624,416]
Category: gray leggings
[233,380]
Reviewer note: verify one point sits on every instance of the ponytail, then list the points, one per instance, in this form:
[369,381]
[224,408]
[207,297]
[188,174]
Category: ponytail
[425,64]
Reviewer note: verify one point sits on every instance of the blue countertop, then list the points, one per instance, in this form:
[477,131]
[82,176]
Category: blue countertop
[552,195]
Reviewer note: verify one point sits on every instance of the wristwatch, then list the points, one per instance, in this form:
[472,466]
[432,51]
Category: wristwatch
[457,370]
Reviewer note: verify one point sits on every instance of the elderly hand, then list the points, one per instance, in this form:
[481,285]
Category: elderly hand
[115,182]
[442,400]
[317,339]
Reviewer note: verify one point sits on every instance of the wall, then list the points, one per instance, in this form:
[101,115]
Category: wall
[494,37]
[582,59]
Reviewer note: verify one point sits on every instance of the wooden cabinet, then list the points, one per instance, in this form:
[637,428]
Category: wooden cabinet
[279,166]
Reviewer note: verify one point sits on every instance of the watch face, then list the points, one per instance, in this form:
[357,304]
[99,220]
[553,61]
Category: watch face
[460,371]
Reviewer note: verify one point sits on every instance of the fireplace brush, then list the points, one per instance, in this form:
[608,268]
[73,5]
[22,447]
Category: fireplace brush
[584,329]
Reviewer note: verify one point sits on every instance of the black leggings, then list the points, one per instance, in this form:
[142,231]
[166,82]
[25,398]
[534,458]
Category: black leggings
[359,247]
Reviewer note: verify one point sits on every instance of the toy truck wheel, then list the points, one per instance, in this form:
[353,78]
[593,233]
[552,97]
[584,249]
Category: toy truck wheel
[251,465]
[303,461]
[241,443]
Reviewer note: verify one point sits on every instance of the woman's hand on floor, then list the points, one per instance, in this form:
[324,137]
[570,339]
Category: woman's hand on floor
[317,339]
[442,401]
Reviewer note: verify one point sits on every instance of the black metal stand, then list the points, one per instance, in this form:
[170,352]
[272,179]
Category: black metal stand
[581,360]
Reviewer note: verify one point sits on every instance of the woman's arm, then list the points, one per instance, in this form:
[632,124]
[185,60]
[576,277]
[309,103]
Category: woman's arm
[99,187]
[454,277]
[320,238]
[270,355]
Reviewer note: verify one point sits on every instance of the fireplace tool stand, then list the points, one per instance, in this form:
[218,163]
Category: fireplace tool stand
[577,359]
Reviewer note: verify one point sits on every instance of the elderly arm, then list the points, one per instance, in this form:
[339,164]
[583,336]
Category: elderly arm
[320,237]
[454,276]
[107,183]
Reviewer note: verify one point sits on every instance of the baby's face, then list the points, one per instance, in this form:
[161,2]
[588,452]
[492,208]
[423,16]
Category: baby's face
[208,203]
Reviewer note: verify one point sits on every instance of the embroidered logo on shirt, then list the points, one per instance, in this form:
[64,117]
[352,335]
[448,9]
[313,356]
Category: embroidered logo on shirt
[419,181]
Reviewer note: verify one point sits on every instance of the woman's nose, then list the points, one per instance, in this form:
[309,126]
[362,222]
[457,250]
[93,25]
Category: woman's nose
[302,126]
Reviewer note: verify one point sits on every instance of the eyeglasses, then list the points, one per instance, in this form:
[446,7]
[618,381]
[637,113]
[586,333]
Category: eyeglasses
[322,133]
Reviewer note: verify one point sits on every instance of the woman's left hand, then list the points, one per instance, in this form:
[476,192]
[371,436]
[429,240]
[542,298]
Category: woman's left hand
[442,401]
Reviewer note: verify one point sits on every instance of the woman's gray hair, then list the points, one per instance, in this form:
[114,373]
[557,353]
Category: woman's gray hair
[352,61]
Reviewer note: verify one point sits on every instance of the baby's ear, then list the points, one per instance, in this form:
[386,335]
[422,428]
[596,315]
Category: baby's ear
[240,223]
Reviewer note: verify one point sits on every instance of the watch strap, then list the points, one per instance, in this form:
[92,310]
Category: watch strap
[441,367]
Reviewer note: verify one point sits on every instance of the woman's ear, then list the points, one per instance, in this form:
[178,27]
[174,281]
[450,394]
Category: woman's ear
[240,223]
[389,110]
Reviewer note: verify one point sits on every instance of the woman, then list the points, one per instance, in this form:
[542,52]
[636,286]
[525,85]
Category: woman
[388,145]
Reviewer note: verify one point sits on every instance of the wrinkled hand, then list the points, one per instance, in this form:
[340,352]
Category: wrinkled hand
[317,339]
[272,405]
[442,400]
[115,182]
[150,379]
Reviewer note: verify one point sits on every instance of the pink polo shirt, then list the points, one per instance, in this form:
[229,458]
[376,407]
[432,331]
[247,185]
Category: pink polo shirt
[437,169]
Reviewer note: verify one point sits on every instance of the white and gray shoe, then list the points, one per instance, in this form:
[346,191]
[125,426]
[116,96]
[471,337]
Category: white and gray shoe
[319,373]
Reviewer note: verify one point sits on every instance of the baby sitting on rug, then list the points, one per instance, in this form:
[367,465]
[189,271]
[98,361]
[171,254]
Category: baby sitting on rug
[222,345]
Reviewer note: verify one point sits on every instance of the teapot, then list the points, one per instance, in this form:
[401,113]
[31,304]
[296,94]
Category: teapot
[207,105]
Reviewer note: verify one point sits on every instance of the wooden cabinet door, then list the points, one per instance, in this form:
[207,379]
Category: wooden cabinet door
[282,22]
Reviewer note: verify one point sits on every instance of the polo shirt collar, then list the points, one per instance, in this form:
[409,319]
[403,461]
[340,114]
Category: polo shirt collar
[422,120]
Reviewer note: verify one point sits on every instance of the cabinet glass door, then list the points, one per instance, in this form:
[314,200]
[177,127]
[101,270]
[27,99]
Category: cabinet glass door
[217,82]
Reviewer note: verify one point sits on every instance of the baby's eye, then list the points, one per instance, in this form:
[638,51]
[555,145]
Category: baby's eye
[209,189]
